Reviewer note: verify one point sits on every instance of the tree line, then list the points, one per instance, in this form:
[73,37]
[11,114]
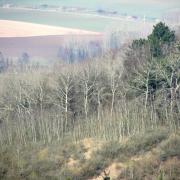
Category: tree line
[111,97]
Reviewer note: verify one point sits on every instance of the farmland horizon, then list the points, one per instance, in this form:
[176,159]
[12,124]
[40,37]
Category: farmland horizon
[151,9]
[46,19]
[95,15]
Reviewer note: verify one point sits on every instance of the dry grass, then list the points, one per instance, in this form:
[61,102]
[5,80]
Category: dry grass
[68,159]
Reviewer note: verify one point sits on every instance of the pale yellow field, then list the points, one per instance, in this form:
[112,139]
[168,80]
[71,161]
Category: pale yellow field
[23,29]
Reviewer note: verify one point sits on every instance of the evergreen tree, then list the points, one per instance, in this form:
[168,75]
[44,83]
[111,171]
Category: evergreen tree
[160,37]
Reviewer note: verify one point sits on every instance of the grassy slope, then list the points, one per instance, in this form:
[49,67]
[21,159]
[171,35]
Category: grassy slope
[147,156]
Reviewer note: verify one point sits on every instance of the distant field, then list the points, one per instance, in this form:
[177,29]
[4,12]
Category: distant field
[43,40]
[72,20]
[22,29]
[39,46]
[38,40]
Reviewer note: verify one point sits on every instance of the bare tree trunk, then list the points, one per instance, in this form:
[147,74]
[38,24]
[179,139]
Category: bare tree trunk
[147,90]
[66,106]
[112,102]
[86,100]
[99,105]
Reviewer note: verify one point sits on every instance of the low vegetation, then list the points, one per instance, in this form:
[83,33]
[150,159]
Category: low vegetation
[157,155]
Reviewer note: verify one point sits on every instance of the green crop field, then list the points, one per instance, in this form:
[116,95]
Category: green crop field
[86,21]
[71,20]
